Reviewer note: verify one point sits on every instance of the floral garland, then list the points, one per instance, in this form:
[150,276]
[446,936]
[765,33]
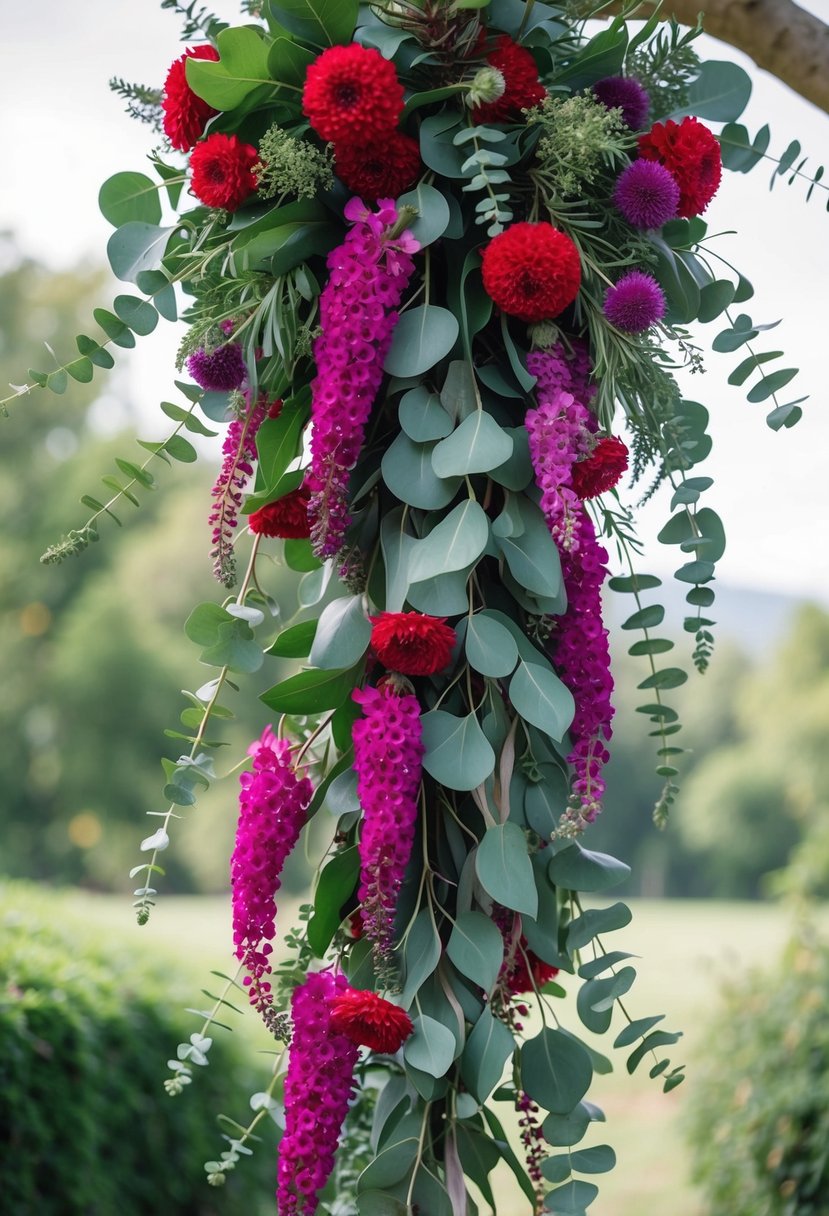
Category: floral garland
[430,272]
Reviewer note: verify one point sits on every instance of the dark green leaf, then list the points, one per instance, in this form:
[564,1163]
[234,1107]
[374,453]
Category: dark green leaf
[555,1071]
[431,1048]
[139,315]
[487,1050]
[476,947]
[457,753]
[312,692]
[579,869]
[423,336]
[294,642]
[595,921]
[130,196]
[504,870]
[336,884]
[342,635]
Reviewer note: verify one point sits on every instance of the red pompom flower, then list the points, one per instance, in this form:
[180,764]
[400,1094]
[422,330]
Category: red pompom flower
[352,95]
[375,171]
[523,87]
[412,643]
[532,271]
[691,153]
[286,518]
[223,171]
[601,470]
[185,114]
[370,1021]
[527,971]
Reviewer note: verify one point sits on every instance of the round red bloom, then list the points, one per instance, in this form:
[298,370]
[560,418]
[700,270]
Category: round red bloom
[379,170]
[528,971]
[523,87]
[185,114]
[532,271]
[601,470]
[352,94]
[370,1021]
[287,517]
[223,171]
[412,643]
[691,153]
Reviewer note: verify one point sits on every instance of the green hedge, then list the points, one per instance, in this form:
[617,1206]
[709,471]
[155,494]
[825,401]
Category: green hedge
[759,1115]
[86,1128]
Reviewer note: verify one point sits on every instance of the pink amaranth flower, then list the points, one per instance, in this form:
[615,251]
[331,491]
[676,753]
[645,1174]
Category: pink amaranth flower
[647,194]
[221,370]
[387,753]
[581,656]
[559,429]
[239,451]
[318,1088]
[626,94]
[370,272]
[273,805]
[636,302]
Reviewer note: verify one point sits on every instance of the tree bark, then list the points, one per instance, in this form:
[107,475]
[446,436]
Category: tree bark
[777,34]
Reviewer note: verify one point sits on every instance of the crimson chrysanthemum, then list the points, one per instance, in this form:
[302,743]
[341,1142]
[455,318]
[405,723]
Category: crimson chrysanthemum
[370,1021]
[602,469]
[352,94]
[286,518]
[690,152]
[185,114]
[523,89]
[379,170]
[412,643]
[532,271]
[223,171]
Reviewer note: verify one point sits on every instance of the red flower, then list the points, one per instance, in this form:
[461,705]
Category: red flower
[601,470]
[691,153]
[185,114]
[287,517]
[352,94]
[379,170]
[527,972]
[370,1021]
[223,171]
[523,88]
[412,642]
[532,271]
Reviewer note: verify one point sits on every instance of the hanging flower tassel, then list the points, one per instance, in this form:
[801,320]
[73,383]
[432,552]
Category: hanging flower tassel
[369,274]
[388,749]
[239,451]
[318,1088]
[582,658]
[273,809]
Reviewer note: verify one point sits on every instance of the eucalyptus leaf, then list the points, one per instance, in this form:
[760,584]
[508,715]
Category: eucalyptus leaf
[555,1071]
[422,337]
[457,753]
[431,1047]
[487,1050]
[422,417]
[579,869]
[504,870]
[476,948]
[342,635]
[409,472]
[477,445]
[541,698]
[490,647]
[457,541]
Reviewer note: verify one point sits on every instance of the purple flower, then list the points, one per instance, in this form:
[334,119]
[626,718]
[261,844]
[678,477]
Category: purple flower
[318,1088]
[626,94]
[273,805]
[220,371]
[369,273]
[387,753]
[636,302]
[647,194]
[559,431]
[582,658]
[239,451]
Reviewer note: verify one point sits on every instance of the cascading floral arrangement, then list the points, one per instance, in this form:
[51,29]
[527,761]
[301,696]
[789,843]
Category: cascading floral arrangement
[435,258]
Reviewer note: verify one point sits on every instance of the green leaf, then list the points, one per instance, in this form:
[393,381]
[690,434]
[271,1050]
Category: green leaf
[595,921]
[278,440]
[541,698]
[342,635]
[504,869]
[137,246]
[235,648]
[431,1048]
[715,298]
[516,473]
[139,315]
[578,869]
[476,446]
[589,971]
[444,595]
[546,800]
[397,546]
[81,370]
[312,692]
[490,647]
[300,556]
[94,351]
[423,336]
[421,954]
[409,473]
[650,646]
[571,1199]
[645,618]
[288,62]
[114,328]
[242,67]
[487,1050]
[336,884]
[433,213]
[720,92]
[388,1167]
[555,1071]
[422,417]
[457,753]
[530,552]
[180,449]
[456,542]
[743,370]
[476,947]
[668,677]
[771,384]
[563,1131]
[295,642]
[634,583]
[436,147]
[659,1038]
[635,1030]
[130,196]
[321,22]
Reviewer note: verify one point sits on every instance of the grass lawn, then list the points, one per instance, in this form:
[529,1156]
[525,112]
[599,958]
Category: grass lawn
[685,948]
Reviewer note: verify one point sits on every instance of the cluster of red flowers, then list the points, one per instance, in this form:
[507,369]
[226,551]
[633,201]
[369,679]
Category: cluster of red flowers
[286,518]
[522,87]
[691,154]
[353,98]
[601,470]
[412,643]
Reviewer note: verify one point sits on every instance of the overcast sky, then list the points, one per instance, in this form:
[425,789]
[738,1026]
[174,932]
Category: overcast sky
[64,133]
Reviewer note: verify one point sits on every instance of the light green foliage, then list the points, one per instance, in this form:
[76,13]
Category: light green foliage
[290,166]
[580,139]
